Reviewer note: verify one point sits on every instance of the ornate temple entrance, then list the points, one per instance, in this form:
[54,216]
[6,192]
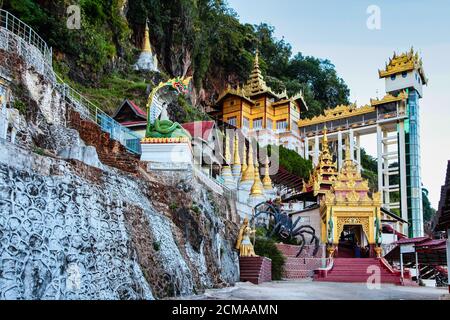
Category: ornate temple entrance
[353,243]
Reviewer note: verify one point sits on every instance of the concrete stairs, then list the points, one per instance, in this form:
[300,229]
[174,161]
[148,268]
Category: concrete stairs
[359,270]
[301,267]
[255,269]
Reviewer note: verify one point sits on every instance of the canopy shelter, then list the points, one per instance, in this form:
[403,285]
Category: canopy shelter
[430,252]
[423,253]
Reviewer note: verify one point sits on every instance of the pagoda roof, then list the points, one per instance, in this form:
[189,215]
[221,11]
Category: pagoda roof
[350,189]
[339,112]
[324,174]
[239,92]
[256,84]
[404,62]
[389,98]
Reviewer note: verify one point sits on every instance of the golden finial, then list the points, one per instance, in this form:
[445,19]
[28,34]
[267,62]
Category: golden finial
[146,45]
[257,187]
[249,174]
[237,160]
[244,158]
[348,156]
[267,182]
[325,138]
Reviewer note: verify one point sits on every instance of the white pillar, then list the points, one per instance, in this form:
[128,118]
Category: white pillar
[352,144]
[402,168]
[386,185]
[340,157]
[380,161]
[358,151]
[316,150]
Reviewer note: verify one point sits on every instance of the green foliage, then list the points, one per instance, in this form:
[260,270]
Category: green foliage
[428,211]
[293,162]
[201,37]
[173,206]
[267,248]
[157,246]
[21,106]
[195,209]
[370,170]
[38,151]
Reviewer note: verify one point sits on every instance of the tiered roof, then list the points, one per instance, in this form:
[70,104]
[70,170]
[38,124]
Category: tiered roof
[350,188]
[404,62]
[324,174]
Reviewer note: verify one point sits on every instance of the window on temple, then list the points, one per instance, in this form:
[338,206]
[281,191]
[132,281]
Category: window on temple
[246,123]
[282,125]
[269,124]
[232,121]
[404,74]
[258,123]
[393,77]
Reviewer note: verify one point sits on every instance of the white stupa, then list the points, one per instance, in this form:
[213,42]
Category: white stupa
[147,60]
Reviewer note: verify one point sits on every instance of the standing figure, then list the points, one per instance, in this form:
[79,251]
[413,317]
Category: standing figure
[244,244]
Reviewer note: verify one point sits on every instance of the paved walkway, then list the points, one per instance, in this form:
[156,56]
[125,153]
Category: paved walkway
[309,290]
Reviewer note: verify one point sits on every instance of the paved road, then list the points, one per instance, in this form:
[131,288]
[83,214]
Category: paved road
[309,290]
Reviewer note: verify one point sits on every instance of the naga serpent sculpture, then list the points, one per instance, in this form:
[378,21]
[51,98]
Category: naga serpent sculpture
[158,123]
[283,226]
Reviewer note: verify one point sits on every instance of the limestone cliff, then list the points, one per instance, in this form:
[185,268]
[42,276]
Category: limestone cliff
[80,218]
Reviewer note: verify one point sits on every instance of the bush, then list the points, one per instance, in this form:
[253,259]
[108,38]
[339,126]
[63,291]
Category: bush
[266,248]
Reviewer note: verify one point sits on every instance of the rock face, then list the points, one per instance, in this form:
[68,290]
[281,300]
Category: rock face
[72,227]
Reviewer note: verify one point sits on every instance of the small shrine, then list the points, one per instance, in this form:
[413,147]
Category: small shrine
[147,60]
[348,208]
[166,142]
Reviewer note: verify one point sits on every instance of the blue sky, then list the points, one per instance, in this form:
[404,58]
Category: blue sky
[337,30]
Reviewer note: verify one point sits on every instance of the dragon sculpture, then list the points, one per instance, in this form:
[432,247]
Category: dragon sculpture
[158,123]
[267,215]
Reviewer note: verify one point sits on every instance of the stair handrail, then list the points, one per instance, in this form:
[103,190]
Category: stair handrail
[84,106]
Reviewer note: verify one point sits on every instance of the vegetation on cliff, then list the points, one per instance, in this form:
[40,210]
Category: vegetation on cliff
[203,38]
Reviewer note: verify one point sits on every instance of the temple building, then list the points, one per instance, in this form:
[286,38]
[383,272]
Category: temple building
[339,205]
[147,60]
[260,113]
[394,120]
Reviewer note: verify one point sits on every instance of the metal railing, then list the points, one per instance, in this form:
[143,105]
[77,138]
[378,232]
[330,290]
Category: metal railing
[18,37]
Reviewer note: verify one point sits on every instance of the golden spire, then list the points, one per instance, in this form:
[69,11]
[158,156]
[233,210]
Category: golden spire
[267,182]
[146,45]
[244,158]
[249,174]
[237,160]
[348,156]
[255,83]
[257,187]
[325,139]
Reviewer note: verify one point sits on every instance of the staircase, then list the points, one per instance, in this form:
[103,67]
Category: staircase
[18,38]
[357,270]
[303,266]
[255,269]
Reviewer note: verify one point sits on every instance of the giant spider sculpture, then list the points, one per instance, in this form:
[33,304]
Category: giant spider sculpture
[283,226]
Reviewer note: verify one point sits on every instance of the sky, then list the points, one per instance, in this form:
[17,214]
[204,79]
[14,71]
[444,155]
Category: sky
[338,31]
